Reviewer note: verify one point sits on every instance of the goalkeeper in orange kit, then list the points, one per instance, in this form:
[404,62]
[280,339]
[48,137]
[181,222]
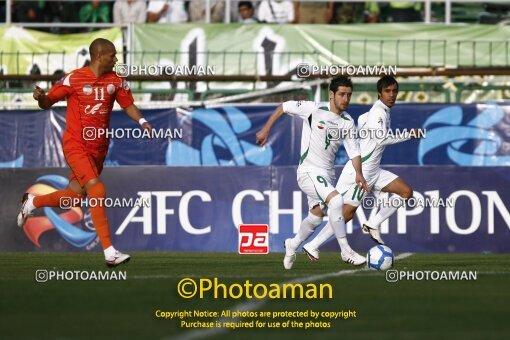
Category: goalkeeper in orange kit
[91,92]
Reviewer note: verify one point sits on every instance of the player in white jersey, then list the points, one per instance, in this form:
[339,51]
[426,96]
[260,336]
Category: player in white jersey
[320,142]
[376,124]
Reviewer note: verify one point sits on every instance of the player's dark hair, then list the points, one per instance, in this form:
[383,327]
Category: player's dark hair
[245,4]
[385,81]
[97,45]
[340,81]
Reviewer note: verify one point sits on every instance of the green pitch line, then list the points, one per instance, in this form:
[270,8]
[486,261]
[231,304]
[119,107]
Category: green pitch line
[113,309]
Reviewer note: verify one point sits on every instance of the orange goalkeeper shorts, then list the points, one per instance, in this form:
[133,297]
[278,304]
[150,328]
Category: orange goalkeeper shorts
[84,166]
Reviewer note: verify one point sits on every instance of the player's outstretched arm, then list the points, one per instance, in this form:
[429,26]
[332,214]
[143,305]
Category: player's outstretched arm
[360,180]
[134,113]
[42,99]
[263,134]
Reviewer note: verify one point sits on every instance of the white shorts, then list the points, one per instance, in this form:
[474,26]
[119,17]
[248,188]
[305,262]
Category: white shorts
[317,186]
[353,195]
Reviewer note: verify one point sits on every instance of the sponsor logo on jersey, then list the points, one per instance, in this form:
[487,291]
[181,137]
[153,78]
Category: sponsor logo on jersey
[87,89]
[110,88]
[89,110]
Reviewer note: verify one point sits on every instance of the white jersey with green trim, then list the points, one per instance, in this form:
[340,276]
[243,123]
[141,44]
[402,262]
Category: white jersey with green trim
[376,124]
[320,139]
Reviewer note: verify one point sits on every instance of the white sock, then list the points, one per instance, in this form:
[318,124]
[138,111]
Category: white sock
[109,252]
[336,219]
[30,204]
[308,225]
[344,245]
[385,212]
[321,238]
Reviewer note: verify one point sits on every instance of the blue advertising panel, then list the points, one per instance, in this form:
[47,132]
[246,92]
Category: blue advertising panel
[463,135]
[200,208]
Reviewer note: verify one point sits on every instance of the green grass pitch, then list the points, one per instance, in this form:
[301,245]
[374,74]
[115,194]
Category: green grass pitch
[125,309]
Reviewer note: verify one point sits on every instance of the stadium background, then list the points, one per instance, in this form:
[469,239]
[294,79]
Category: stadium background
[453,73]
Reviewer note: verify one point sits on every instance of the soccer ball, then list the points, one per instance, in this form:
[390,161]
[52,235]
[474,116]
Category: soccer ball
[380,258]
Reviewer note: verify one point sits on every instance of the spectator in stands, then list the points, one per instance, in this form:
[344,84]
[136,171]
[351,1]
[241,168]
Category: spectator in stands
[247,13]
[129,11]
[371,13]
[69,11]
[197,10]
[95,12]
[355,12]
[313,12]
[28,11]
[404,11]
[2,11]
[276,11]
[166,12]
[494,13]
[53,12]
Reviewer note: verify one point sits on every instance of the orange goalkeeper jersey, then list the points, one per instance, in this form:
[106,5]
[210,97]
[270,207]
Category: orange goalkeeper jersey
[90,101]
